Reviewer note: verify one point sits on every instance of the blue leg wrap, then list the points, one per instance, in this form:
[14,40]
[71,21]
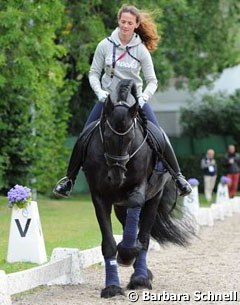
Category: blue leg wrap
[131,227]
[111,270]
[140,265]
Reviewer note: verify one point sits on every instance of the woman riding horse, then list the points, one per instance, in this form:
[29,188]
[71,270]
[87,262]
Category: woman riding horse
[142,198]
[122,56]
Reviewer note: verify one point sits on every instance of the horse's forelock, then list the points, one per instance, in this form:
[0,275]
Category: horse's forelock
[126,87]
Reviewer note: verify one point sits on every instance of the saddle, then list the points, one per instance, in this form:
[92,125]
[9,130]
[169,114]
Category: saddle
[84,139]
[157,136]
[157,141]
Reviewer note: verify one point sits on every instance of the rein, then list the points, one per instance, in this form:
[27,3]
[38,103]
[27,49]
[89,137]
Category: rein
[121,133]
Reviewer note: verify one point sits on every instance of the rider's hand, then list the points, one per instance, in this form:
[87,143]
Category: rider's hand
[102,95]
[141,101]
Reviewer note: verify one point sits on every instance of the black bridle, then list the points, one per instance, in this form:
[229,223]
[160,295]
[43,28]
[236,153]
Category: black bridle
[120,160]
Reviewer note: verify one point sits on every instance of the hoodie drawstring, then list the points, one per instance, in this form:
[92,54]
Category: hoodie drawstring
[114,60]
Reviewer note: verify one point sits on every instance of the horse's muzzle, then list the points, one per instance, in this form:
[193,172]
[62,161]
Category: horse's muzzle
[116,168]
[116,176]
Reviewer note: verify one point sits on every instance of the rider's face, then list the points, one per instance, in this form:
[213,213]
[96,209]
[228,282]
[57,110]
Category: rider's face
[127,23]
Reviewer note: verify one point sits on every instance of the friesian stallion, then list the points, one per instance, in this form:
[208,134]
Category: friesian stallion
[120,162]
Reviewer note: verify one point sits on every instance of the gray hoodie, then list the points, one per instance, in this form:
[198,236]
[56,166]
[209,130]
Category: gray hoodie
[127,66]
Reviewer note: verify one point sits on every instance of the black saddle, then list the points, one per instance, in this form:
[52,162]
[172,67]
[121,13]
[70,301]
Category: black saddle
[84,138]
[158,137]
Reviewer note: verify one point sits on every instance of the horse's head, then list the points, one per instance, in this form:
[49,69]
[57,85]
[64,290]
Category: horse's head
[119,131]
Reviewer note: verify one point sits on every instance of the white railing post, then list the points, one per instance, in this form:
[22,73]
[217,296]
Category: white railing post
[191,202]
[75,276]
[222,198]
[5,298]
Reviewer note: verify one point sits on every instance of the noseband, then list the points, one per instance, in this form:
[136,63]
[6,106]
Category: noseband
[120,160]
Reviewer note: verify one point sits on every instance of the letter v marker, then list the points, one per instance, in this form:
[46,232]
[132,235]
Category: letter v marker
[21,231]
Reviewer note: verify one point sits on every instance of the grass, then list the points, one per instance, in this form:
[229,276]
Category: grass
[66,223]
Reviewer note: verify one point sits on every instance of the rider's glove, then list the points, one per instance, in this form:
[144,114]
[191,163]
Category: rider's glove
[141,101]
[102,95]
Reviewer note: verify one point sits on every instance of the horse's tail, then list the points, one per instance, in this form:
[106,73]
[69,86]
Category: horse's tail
[174,226]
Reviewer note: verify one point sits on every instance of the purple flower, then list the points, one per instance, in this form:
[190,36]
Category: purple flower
[225,180]
[193,182]
[19,195]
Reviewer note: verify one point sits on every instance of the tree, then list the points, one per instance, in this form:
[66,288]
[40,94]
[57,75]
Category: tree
[85,24]
[219,114]
[34,96]
[198,39]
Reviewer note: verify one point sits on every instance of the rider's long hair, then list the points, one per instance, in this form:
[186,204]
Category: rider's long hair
[147,29]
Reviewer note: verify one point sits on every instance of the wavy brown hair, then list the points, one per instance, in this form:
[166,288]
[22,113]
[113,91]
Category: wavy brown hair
[147,29]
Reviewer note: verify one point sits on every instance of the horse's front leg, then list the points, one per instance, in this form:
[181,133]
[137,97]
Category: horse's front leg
[129,247]
[109,250]
[142,276]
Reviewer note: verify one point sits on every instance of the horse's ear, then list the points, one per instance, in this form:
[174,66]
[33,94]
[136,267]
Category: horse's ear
[134,109]
[109,106]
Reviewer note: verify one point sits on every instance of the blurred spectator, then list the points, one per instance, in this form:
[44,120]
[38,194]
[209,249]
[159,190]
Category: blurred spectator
[231,163]
[209,167]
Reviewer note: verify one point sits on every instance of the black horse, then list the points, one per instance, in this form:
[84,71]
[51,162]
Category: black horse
[120,169]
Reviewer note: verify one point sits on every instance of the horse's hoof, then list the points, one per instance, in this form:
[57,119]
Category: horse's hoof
[139,282]
[127,256]
[111,291]
[125,263]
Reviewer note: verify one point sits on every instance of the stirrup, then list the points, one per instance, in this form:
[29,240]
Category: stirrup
[63,187]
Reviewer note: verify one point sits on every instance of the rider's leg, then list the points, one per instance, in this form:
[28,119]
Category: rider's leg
[75,161]
[64,186]
[95,114]
[169,155]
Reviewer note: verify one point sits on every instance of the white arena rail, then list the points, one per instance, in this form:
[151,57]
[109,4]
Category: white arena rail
[65,267]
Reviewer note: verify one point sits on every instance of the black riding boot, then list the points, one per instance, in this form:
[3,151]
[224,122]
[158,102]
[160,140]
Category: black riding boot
[182,184]
[169,158]
[65,185]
